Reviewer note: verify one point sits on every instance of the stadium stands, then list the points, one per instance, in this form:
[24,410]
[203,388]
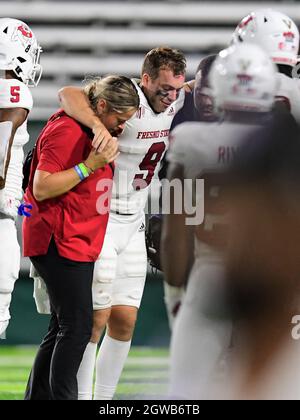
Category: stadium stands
[92,37]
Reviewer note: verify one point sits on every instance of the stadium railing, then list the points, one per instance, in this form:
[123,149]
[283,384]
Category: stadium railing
[213,12]
[84,38]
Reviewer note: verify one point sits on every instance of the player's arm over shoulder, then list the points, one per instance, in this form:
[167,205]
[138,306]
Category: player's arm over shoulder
[68,95]
[75,103]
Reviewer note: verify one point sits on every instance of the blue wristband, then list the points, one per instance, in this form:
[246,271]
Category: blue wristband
[79,173]
[24,210]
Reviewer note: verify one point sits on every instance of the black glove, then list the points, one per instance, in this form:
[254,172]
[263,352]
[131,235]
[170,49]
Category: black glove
[153,238]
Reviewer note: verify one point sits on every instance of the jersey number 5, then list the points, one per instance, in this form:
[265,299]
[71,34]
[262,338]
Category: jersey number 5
[15,94]
[149,164]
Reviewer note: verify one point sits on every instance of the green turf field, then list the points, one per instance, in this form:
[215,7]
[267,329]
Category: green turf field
[144,377]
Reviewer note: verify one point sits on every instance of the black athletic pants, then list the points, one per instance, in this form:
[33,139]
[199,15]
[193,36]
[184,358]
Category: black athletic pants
[69,283]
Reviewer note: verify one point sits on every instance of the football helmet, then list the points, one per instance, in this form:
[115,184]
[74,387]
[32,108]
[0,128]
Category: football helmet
[20,51]
[243,78]
[275,32]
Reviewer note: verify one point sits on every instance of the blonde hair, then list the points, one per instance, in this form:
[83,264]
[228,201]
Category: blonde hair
[119,92]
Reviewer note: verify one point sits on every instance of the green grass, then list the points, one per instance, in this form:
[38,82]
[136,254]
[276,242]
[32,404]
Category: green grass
[144,377]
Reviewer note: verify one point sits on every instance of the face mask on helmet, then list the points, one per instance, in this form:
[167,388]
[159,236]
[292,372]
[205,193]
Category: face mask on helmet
[20,51]
[275,32]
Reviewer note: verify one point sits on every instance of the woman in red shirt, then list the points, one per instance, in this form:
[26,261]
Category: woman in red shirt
[65,234]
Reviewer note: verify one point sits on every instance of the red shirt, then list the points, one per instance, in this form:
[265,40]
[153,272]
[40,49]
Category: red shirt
[72,219]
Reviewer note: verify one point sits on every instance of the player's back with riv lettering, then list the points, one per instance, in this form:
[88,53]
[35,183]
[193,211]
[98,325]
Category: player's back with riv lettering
[205,150]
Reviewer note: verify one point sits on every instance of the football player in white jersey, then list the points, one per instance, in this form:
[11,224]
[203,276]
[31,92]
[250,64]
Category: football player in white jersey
[120,273]
[197,108]
[262,266]
[243,87]
[19,64]
[278,35]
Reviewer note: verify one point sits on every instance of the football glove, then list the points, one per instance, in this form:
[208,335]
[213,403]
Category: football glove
[153,238]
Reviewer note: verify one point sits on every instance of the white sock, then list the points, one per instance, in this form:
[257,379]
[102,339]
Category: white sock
[85,373]
[173,299]
[109,366]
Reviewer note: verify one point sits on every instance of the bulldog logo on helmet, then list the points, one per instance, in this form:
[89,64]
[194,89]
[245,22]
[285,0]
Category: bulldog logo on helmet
[289,36]
[25,31]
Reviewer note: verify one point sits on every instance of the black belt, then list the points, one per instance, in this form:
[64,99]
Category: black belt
[122,214]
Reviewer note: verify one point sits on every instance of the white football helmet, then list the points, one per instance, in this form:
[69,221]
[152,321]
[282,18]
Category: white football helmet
[243,78]
[275,32]
[20,51]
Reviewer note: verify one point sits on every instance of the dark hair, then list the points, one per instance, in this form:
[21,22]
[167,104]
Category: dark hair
[205,67]
[163,58]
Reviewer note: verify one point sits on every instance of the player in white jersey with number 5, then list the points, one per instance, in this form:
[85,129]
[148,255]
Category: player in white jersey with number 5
[120,272]
[278,35]
[243,88]
[19,64]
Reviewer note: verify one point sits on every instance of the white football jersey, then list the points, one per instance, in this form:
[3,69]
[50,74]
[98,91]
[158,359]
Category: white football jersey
[142,147]
[204,150]
[15,94]
[289,91]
